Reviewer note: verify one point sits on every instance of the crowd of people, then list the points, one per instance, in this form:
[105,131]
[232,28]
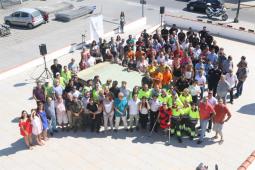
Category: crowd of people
[187,78]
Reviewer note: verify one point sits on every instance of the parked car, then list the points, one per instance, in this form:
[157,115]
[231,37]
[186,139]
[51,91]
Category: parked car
[200,5]
[25,17]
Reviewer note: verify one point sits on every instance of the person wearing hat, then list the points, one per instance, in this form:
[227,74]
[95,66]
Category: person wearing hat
[232,81]
[60,79]
[176,122]
[120,111]
[206,112]
[76,110]
[154,108]
[193,114]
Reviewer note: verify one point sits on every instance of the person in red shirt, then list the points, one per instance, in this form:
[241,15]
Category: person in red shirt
[206,111]
[26,128]
[165,114]
[219,119]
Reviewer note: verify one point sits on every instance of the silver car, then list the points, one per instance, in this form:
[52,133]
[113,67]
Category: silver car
[25,17]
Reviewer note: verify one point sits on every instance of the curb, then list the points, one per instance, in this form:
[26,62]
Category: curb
[245,165]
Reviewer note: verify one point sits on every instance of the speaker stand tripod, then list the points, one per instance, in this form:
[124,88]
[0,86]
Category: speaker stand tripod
[46,74]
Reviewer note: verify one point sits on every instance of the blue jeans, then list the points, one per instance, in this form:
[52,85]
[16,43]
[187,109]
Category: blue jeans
[203,124]
[239,88]
[52,124]
[202,88]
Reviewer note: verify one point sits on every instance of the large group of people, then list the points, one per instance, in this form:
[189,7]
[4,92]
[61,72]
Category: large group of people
[187,78]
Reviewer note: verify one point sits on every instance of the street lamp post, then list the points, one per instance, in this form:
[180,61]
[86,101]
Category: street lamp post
[143,2]
[237,12]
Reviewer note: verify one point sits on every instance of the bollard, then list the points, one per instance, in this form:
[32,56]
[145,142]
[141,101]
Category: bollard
[208,21]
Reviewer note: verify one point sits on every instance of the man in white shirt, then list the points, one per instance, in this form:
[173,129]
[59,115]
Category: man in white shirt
[232,80]
[201,80]
[154,108]
[133,105]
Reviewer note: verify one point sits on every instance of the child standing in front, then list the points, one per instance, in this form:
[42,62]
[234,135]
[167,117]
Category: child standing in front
[36,126]
[26,128]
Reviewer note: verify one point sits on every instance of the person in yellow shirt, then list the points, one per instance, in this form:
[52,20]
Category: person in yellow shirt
[185,96]
[193,119]
[66,74]
[60,79]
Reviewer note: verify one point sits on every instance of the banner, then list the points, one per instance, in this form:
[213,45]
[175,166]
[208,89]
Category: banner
[96,27]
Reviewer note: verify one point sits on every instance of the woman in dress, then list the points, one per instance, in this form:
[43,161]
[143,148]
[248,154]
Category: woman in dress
[26,128]
[41,112]
[62,118]
[144,108]
[36,126]
[108,111]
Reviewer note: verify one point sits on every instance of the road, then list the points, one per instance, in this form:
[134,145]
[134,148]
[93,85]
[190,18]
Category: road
[22,45]
[246,14]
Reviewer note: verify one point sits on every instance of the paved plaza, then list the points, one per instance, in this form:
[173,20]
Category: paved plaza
[124,150]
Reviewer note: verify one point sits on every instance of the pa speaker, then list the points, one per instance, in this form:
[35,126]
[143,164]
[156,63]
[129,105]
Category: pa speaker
[162,10]
[43,49]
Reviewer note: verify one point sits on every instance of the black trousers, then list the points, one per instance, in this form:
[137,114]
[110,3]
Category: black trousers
[153,118]
[76,122]
[213,87]
[95,123]
[231,94]
[195,99]
[85,121]
[143,120]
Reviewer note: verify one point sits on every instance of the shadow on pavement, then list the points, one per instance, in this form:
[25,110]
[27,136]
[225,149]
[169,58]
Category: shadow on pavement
[15,120]
[20,84]
[248,109]
[14,148]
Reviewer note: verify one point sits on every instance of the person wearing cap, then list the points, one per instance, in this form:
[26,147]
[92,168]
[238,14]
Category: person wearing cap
[38,93]
[193,119]
[144,108]
[154,111]
[241,74]
[66,74]
[56,67]
[165,114]
[120,111]
[48,88]
[206,112]
[60,79]
[221,111]
[176,122]
[57,89]
[232,80]
[133,105]
[76,110]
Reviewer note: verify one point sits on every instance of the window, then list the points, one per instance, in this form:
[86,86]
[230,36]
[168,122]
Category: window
[24,15]
[36,14]
[16,14]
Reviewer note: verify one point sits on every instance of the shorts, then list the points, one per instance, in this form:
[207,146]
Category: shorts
[217,127]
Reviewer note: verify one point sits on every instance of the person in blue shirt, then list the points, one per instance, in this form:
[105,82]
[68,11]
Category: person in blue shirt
[120,111]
